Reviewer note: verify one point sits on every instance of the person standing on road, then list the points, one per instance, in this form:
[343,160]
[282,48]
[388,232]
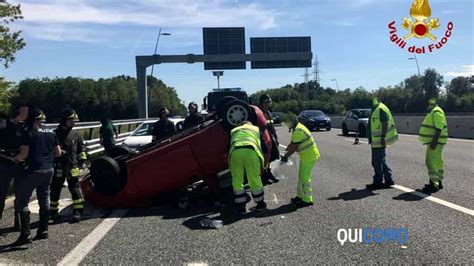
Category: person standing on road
[264,105]
[10,139]
[68,166]
[38,147]
[107,132]
[434,134]
[163,128]
[381,132]
[246,158]
[302,142]
[194,117]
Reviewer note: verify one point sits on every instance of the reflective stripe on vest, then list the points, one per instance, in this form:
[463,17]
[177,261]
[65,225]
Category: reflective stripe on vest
[246,135]
[428,129]
[376,127]
[306,143]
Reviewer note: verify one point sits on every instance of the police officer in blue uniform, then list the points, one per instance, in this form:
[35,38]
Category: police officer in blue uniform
[38,148]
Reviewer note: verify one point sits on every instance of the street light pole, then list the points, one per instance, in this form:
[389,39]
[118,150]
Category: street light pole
[218,74]
[152,68]
[417,66]
[337,85]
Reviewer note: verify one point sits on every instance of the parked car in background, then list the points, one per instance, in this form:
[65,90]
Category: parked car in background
[142,135]
[315,120]
[356,120]
[277,117]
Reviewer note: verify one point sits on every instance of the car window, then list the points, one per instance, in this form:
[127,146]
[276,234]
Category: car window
[364,113]
[349,114]
[315,113]
[143,130]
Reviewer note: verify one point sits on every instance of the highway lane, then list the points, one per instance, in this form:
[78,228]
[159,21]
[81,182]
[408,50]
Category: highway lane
[283,234]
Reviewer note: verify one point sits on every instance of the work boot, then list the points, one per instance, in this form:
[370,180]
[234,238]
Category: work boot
[42,232]
[269,176]
[240,208]
[25,232]
[388,184]
[76,216]
[261,206]
[295,199]
[2,207]
[440,186]
[54,215]
[374,186]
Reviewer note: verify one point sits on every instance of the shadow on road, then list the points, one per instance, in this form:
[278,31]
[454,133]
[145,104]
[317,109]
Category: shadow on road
[229,216]
[354,194]
[409,196]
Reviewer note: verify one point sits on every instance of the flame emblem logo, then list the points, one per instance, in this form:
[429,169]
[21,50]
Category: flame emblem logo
[420,27]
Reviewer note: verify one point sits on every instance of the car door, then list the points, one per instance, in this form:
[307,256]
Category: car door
[349,121]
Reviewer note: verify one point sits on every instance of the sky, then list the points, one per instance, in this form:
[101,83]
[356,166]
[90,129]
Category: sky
[351,39]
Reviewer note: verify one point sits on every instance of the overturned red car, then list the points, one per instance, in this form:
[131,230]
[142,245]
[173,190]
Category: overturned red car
[133,179]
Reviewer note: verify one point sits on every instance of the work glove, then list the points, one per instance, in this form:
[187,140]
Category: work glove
[75,172]
[284,159]
[433,145]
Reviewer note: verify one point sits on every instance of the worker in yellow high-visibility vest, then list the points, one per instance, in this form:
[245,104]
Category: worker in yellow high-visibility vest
[302,142]
[246,158]
[434,134]
[381,133]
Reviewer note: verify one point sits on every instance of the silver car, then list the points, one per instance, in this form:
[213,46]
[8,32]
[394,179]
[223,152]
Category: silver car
[356,121]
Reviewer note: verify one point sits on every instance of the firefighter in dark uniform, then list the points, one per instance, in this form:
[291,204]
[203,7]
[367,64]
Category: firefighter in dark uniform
[163,128]
[194,117]
[69,165]
[264,104]
[10,139]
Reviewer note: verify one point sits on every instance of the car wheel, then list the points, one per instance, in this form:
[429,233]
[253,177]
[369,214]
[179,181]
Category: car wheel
[223,102]
[362,130]
[105,176]
[235,113]
[345,132]
[118,151]
[328,128]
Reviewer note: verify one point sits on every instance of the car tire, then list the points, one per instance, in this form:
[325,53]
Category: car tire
[328,128]
[118,151]
[235,113]
[106,177]
[345,132]
[362,131]
[223,102]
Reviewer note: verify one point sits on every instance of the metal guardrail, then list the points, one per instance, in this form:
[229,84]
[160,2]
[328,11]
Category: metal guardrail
[89,130]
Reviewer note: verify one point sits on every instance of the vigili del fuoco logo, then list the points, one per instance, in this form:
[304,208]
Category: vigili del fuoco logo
[420,26]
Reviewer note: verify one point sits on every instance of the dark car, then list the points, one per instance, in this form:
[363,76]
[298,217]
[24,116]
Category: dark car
[315,120]
[277,118]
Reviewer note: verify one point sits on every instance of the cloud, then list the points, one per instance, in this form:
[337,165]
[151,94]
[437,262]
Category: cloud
[347,22]
[468,70]
[184,13]
[61,33]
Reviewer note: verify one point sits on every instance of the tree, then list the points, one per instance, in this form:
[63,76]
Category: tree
[432,82]
[10,42]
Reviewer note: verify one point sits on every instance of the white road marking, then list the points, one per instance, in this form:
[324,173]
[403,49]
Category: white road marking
[436,200]
[283,146]
[275,199]
[75,256]
[198,264]
[416,136]
[352,140]
[455,139]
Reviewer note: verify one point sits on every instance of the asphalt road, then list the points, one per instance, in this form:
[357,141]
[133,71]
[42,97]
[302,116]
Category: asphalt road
[438,231]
